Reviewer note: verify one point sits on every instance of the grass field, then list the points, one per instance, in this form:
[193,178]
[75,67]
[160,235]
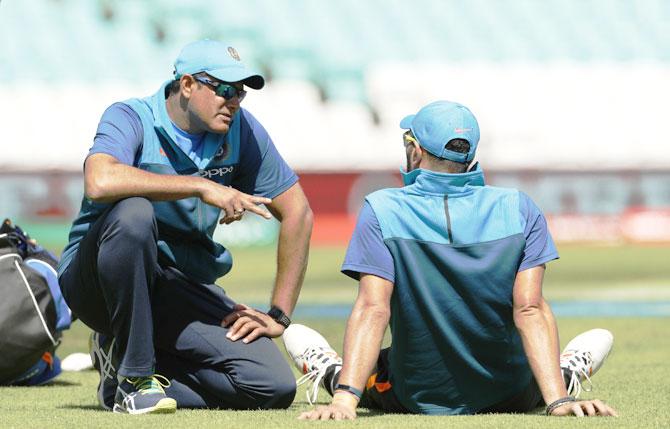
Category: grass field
[633,379]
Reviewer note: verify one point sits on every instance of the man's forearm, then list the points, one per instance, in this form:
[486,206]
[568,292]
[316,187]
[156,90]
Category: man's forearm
[292,255]
[362,343]
[107,181]
[539,334]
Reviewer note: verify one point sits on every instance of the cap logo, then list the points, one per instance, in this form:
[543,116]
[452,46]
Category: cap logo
[233,53]
[462,130]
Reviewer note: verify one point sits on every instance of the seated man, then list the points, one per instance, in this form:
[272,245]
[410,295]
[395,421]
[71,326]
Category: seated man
[456,266]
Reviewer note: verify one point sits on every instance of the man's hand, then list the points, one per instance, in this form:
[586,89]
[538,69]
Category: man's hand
[589,408]
[249,324]
[343,407]
[233,202]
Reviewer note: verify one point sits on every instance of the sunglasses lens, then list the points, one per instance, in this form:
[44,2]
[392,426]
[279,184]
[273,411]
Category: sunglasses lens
[224,91]
[229,91]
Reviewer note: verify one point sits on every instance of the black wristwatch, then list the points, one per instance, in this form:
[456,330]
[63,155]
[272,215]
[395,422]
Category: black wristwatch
[279,316]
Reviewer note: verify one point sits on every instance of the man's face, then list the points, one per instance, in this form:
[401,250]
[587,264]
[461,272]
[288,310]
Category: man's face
[210,111]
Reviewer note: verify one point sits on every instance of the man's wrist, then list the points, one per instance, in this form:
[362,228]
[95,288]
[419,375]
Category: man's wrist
[346,399]
[349,389]
[200,186]
[559,403]
[278,315]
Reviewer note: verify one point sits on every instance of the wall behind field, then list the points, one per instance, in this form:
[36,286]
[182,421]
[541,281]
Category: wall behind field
[616,206]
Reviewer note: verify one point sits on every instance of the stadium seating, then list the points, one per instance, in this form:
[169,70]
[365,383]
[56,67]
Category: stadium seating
[330,41]
[343,72]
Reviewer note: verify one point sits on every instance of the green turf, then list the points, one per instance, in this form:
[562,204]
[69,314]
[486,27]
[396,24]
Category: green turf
[633,379]
[583,272]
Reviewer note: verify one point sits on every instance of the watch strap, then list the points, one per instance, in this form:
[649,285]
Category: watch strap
[279,316]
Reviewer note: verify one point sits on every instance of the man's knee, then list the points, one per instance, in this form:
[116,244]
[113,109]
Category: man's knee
[284,390]
[134,219]
[274,388]
[263,394]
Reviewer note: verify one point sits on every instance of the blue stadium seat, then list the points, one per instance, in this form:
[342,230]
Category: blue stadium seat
[329,43]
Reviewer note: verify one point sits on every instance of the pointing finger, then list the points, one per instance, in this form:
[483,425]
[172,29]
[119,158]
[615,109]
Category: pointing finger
[258,210]
[260,200]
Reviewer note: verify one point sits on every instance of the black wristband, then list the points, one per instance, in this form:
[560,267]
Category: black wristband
[278,315]
[557,403]
[357,393]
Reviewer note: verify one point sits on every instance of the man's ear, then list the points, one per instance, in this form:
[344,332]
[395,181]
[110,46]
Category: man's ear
[186,85]
[416,156]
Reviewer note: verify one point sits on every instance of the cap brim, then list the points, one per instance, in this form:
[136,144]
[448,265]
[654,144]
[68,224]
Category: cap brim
[406,122]
[247,77]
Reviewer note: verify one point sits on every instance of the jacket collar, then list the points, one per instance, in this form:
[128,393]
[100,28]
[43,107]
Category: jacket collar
[161,118]
[433,182]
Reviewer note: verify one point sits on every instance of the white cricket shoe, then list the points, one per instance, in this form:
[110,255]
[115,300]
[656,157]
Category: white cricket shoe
[583,357]
[313,356]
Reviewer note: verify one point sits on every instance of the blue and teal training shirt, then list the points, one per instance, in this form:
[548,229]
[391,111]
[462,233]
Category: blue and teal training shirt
[452,247]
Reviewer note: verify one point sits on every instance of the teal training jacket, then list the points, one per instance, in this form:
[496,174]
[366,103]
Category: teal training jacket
[456,246]
[185,226]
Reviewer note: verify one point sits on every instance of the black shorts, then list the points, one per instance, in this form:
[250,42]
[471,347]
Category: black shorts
[527,400]
[379,394]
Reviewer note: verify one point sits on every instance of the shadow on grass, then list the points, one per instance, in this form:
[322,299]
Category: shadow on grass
[62,383]
[360,412]
[369,413]
[52,384]
[82,407]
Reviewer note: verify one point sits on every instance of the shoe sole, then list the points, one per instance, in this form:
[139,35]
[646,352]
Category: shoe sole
[164,406]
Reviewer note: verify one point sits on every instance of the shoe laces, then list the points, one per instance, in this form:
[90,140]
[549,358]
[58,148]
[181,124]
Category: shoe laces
[152,384]
[316,361]
[579,365]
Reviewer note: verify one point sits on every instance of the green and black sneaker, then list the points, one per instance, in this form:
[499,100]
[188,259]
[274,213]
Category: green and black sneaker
[144,395]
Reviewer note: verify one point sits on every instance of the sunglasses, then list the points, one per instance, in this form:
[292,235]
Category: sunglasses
[408,138]
[222,89]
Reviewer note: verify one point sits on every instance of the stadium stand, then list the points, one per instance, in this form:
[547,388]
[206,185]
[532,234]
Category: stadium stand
[342,73]
[571,96]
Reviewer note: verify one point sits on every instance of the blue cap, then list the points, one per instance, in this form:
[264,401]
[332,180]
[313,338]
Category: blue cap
[440,122]
[218,60]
